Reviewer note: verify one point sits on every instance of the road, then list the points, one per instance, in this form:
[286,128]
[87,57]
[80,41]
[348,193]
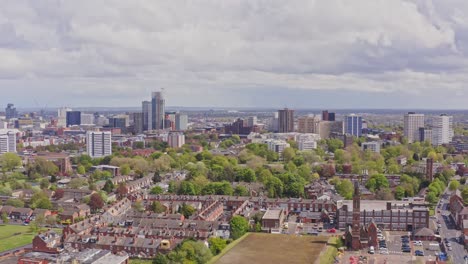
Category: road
[448,230]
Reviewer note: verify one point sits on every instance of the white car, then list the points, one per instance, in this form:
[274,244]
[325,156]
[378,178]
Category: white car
[384,252]
[417,243]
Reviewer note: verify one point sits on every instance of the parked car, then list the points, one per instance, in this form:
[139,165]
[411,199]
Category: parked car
[419,253]
[331,230]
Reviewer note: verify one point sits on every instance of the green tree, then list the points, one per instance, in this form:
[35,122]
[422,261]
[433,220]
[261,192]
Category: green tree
[81,170]
[160,259]
[333,144]
[187,210]
[431,197]
[15,202]
[125,169]
[216,245]
[345,188]
[195,252]
[454,184]
[108,186]
[158,207]
[377,182]
[138,205]
[239,226]
[5,219]
[288,154]
[157,190]
[399,192]
[9,161]
[241,191]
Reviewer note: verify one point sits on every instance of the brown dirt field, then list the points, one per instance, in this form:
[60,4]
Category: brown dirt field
[273,248]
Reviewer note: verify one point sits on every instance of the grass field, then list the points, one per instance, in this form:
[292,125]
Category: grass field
[271,248]
[13,236]
[140,261]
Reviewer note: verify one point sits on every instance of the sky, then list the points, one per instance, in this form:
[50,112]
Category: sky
[235,53]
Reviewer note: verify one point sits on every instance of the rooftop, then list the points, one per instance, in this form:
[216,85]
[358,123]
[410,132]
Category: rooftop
[272,214]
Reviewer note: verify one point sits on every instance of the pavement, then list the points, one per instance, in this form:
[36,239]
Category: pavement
[448,230]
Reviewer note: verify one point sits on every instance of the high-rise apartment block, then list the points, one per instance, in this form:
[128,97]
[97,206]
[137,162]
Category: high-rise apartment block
[98,144]
[251,121]
[425,134]
[10,111]
[442,129]
[7,141]
[73,118]
[352,125]
[285,120]
[157,110]
[411,124]
[176,140]
[181,122]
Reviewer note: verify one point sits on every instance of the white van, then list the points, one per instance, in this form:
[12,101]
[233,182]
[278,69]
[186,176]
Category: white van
[434,246]
[371,250]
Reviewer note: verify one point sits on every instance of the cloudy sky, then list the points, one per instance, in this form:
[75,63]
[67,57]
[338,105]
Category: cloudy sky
[265,53]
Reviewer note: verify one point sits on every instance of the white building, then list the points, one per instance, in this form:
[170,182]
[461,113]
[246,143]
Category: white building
[442,130]
[277,146]
[371,146]
[307,145]
[98,144]
[176,140]
[62,116]
[412,123]
[7,141]
[251,121]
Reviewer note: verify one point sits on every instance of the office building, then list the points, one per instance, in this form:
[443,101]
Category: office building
[308,124]
[181,122]
[119,122]
[7,141]
[157,110]
[285,120]
[352,125]
[411,124]
[277,146]
[327,128]
[87,119]
[147,115]
[10,111]
[73,118]
[371,146]
[98,144]
[442,130]
[176,140]
[328,116]
[62,116]
[169,120]
[425,134]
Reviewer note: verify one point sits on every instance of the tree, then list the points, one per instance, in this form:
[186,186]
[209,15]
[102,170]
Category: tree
[160,259]
[34,227]
[431,197]
[40,200]
[453,185]
[157,190]
[125,169]
[108,186]
[44,184]
[288,154]
[333,144]
[15,202]
[5,219]
[96,202]
[195,252]
[58,194]
[138,205]
[122,190]
[377,182]
[158,207]
[216,245]
[399,192]
[9,161]
[345,188]
[274,186]
[187,210]
[81,170]
[241,191]
[239,226]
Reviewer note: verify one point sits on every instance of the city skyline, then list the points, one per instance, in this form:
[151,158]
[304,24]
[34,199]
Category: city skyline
[230,54]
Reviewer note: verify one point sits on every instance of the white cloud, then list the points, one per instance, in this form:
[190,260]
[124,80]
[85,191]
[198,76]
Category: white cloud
[125,48]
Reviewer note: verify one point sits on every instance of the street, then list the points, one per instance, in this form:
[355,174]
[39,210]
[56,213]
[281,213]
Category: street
[448,230]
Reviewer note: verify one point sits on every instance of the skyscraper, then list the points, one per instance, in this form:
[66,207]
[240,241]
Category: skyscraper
[285,120]
[352,125]
[98,144]
[308,124]
[10,111]
[412,122]
[147,115]
[442,129]
[73,118]
[157,110]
